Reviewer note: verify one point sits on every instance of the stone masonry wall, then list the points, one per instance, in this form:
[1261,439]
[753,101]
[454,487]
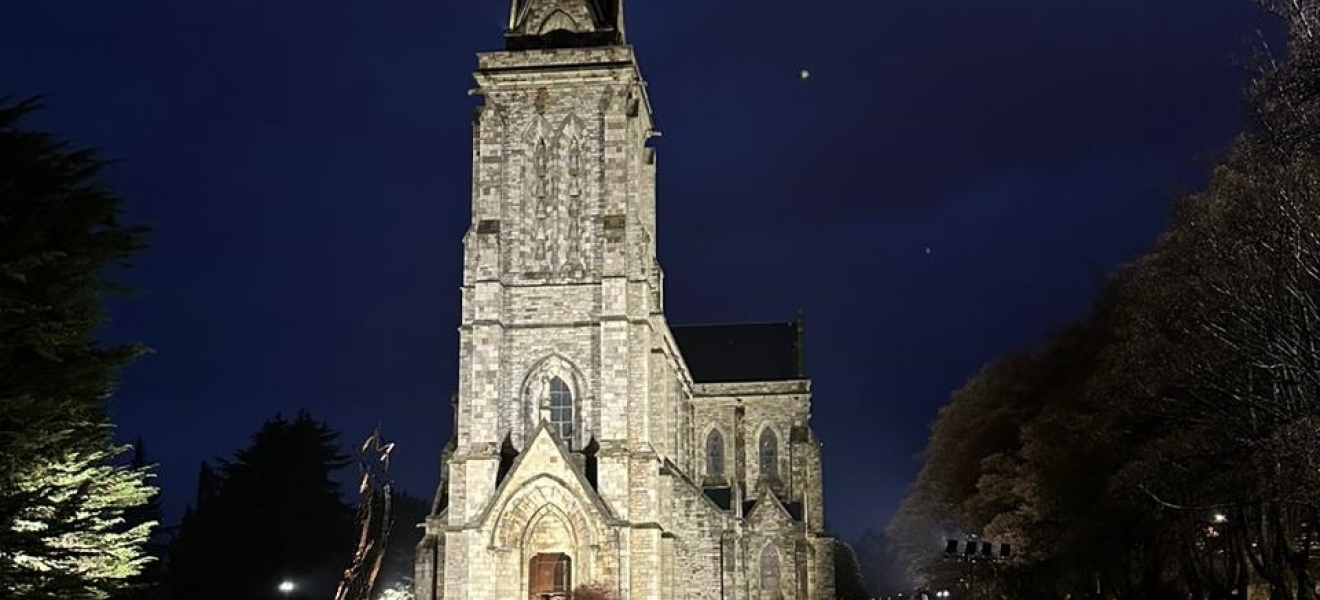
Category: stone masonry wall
[561,282]
[697,527]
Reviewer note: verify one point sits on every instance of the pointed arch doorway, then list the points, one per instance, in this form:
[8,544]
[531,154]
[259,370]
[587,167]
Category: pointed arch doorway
[550,577]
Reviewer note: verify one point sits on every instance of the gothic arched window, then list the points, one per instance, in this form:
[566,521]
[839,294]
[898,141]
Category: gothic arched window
[715,454]
[770,573]
[769,454]
[561,409]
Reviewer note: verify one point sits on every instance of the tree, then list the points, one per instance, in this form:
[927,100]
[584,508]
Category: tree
[1167,445]
[594,591]
[849,583]
[61,499]
[145,585]
[272,513]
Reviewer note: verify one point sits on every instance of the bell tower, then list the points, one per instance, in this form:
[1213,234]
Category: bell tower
[594,444]
[561,297]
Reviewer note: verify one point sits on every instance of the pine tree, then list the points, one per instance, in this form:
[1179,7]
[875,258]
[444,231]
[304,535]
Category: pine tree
[146,585]
[61,500]
[273,513]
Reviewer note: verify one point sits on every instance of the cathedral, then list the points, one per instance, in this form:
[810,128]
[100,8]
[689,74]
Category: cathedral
[595,445]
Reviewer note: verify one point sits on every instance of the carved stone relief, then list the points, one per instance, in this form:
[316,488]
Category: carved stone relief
[554,213]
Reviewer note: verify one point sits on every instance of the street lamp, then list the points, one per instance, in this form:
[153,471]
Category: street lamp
[287,587]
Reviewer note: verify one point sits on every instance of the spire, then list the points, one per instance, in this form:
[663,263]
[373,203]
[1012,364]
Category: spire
[564,23]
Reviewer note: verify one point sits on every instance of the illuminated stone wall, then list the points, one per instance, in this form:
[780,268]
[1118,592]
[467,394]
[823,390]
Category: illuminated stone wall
[561,283]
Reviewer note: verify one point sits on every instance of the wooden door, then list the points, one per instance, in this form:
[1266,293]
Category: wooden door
[550,577]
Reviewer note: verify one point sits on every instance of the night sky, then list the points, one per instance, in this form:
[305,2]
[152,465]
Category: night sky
[951,183]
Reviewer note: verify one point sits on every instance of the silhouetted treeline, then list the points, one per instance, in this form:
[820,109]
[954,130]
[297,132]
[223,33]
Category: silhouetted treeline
[273,513]
[1169,444]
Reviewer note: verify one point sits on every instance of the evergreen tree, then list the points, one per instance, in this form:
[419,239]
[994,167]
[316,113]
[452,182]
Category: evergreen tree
[271,514]
[149,511]
[62,502]
[145,585]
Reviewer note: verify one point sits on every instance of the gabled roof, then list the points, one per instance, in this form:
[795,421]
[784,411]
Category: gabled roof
[563,471]
[767,507]
[742,352]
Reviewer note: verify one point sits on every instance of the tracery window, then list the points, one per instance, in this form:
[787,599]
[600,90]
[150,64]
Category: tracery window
[770,589]
[769,454]
[561,409]
[715,454]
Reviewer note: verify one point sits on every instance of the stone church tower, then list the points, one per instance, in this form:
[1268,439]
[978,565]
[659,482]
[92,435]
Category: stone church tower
[594,443]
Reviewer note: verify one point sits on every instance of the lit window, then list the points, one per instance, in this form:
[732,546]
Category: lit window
[561,409]
[715,454]
[769,454]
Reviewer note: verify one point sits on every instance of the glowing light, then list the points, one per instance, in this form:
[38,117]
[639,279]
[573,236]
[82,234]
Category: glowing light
[287,587]
[1221,518]
[804,74]
[399,592]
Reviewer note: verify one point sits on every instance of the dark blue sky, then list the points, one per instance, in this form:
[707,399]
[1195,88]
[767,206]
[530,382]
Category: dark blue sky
[306,167]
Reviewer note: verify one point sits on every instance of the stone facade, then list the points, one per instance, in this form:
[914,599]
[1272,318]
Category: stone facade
[585,449]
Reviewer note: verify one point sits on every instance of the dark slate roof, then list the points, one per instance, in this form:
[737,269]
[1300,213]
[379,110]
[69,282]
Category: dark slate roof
[745,352]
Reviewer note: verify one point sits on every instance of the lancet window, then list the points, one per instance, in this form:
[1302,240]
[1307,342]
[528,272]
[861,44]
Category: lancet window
[561,409]
[715,454]
[769,454]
